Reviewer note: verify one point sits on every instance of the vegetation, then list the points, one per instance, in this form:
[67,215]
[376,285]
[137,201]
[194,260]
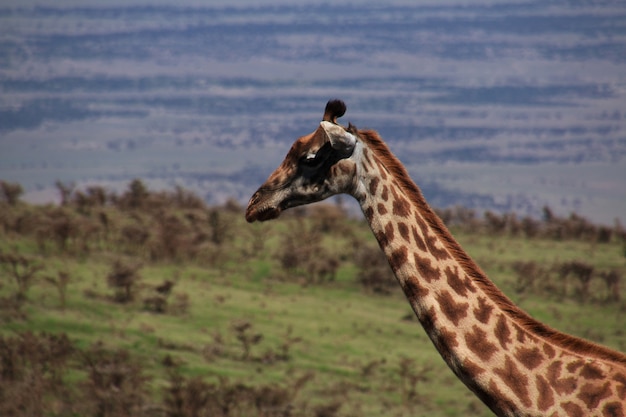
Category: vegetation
[154,304]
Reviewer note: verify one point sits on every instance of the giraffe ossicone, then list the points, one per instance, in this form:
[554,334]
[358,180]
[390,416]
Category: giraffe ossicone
[515,364]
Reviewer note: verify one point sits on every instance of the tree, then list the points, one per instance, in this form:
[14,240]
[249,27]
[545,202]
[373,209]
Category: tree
[11,192]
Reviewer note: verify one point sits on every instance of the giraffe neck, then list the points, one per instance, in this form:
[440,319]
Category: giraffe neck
[513,363]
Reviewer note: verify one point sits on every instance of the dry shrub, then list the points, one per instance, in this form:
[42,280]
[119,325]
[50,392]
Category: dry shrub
[583,272]
[374,273]
[247,337]
[194,397]
[301,253]
[568,279]
[60,282]
[115,385]
[31,374]
[410,376]
[328,218]
[23,270]
[460,217]
[527,272]
[282,353]
[10,192]
[159,301]
[171,240]
[612,279]
[124,279]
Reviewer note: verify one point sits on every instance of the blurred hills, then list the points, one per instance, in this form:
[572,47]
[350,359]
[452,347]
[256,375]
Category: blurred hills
[506,107]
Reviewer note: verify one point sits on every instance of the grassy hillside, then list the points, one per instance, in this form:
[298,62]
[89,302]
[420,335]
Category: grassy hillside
[153,304]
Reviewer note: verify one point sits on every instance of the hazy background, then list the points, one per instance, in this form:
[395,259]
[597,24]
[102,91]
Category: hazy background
[491,105]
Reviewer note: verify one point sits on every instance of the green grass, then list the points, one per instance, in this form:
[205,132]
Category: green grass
[352,342]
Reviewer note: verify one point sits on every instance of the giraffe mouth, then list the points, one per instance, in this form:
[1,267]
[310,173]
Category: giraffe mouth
[261,208]
[262,214]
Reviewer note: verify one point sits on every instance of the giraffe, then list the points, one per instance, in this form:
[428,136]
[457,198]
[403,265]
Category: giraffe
[515,364]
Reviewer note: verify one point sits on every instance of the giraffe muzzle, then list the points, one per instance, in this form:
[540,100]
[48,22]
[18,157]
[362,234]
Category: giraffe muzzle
[259,209]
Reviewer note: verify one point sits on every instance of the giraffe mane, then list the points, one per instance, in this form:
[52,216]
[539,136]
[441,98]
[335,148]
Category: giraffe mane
[412,191]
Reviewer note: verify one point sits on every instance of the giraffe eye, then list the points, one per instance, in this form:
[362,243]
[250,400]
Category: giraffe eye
[316,158]
[310,159]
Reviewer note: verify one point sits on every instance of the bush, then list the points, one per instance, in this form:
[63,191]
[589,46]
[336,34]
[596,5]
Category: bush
[31,370]
[10,192]
[374,272]
[123,278]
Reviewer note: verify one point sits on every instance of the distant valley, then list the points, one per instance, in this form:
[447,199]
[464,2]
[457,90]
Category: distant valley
[493,106]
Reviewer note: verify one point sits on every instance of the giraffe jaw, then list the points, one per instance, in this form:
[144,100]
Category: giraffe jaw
[269,213]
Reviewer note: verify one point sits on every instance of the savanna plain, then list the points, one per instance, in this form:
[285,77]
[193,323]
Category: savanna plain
[146,303]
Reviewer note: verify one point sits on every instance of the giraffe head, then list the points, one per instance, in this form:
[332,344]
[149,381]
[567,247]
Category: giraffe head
[317,166]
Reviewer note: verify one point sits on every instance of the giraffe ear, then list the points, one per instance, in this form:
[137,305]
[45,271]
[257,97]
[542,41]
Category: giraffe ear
[340,139]
[334,109]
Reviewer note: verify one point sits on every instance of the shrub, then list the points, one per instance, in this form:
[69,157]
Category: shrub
[123,278]
[31,370]
[612,279]
[11,192]
[374,273]
[60,282]
[23,269]
[583,272]
[115,385]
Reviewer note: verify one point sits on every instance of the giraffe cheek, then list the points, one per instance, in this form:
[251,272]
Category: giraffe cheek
[343,173]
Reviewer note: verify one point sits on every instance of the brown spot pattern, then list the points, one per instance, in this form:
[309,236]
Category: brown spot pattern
[453,311]
[499,400]
[572,409]
[342,168]
[483,311]
[478,343]
[502,331]
[516,380]
[472,369]
[549,350]
[428,272]
[523,336]
[374,185]
[382,210]
[398,258]
[389,232]
[382,170]
[546,396]
[460,286]
[385,194]
[401,206]
[439,254]
[369,214]
[592,394]
[621,387]
[413,290]
[446,341]
[404,231]
[590,371]
[529,357]
[428,321]
[560,385]
[418,240]
[574,366]
[613,409]
[381,237]
[366,155]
